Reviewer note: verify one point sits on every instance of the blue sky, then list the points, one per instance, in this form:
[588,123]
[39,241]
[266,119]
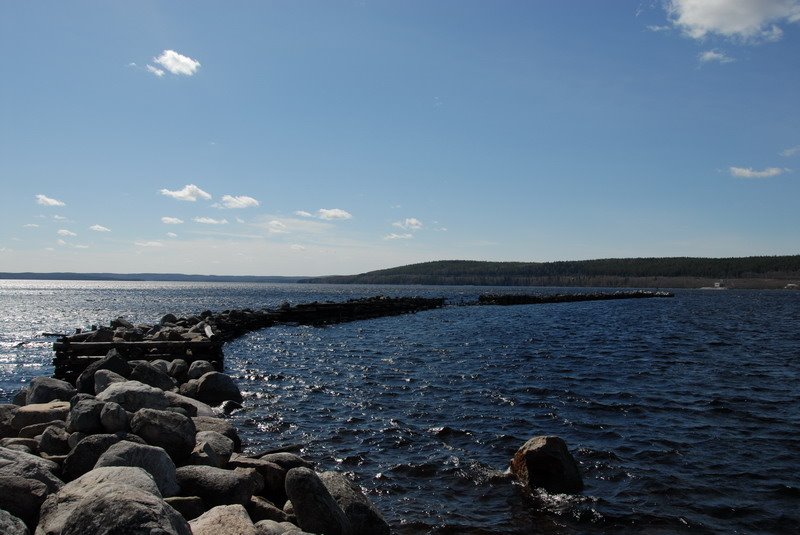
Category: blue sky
[286,138]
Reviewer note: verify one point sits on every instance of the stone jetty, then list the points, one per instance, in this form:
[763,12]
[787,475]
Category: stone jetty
[537,299]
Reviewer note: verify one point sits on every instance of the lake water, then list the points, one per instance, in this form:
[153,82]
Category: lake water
[683,413]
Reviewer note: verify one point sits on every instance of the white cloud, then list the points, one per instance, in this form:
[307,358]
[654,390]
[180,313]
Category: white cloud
[30,225]
[177,63]
[210,221]
[171,235]
[149,244]
[240,220]
[99,228]
[59,218]
[240,201]
[189,192]
[44,200]
[303,213]
[394,236]
[713,55]
[297,247]
[155,70]
[409,223]
[81,246]
[749,172]
[65,232]
[745,20]
[791,151]
[333,213]
[276,227]
[171,220]
[61,242]
[656,28]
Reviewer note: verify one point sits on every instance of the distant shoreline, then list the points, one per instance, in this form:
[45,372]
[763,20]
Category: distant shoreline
[147,277]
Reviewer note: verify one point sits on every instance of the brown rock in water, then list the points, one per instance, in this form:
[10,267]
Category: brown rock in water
[545,462]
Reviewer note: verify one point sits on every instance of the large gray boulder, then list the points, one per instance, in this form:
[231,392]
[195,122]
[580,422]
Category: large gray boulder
[84,417]
[364,518]
[545,462]
[39,413]
[13,462]
[215,485]
[85,454]
[113,418]
[53,441]
[224,427]
[199,368]
[274,475]
[169,430]
[104,378]
[112,361]
[7,412]
[219,443]
[223,520]
[133,395]
[287,460]
[151,459]
[11,525]
[262,509]
[150,375]
[192,406]
[215,387]
[58,506]
[37,429]
[22,497]
[315,508]
[112,508]
[47,389]
[271,527]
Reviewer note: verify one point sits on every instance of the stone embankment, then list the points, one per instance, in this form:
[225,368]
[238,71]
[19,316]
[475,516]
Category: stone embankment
[138,446]
[536,299]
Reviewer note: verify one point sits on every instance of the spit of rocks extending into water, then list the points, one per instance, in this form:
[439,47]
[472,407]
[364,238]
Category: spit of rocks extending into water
[537,299]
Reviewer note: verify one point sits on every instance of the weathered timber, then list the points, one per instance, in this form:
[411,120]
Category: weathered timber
[514,299]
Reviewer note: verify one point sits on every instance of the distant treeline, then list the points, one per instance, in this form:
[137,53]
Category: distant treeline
[176,277]
[682,271]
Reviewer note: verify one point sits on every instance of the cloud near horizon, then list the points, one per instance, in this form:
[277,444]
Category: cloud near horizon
[189,193]
[237,202]
[99,228]
[749,172]
[328,214]
[44,200]
[393,236]
[748,21]
[149,244]
[176,63]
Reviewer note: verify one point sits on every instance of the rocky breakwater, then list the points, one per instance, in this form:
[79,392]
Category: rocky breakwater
[140,446]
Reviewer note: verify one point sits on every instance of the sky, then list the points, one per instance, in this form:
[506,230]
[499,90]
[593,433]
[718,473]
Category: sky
[336,137]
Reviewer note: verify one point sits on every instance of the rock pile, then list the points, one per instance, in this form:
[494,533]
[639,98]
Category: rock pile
[136,446]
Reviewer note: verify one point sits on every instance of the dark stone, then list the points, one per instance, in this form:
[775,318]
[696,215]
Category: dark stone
[199,368]
[215,387]
[190,507]
[223,520]
[261,509]
[168,318]
[80,396]
[215,485]
[150,375]
[178,369]
[222,445]
[229,407]
[34,430]
[192,407]
[85,454]
[53,441]
[112,361]
[189,388]
[545,462]
[133,395]
[84,417]
[11,525]
[171,431]
[7,412]
[39,413]
[274,475]
[151,459]
[205,423]
[315,508]
[121,322]
[113,418]
[364,518]
[104,378]
[287,460]
[46,389]
[22,497]
[30,466]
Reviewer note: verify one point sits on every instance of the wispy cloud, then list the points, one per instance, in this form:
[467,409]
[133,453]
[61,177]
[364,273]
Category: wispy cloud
[330,214]
[30,225]
[744,20]
[59,218]
[409,223]
[210,221]
[177,63]
[65,232]
[749,172]
[81,246]
[240,201]
[791,151]
[61,242]
[149,244]
[189,192]
[297,247]
[171,235]
[393,236]
[303,213]
[99,228]
[276,227]
[155,70]
[44,200]
[171,220]
[710,56]
[658,28]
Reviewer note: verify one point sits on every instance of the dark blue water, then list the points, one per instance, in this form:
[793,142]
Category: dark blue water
[684,413]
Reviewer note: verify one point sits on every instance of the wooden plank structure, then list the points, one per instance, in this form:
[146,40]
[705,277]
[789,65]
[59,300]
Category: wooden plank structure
[202,337]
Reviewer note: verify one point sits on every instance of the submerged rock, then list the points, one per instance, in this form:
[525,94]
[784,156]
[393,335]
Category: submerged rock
[545,462]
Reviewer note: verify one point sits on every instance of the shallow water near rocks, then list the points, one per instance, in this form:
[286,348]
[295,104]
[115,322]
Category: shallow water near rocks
[683,413]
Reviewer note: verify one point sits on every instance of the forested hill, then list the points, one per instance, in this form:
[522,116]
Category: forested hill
[677,272]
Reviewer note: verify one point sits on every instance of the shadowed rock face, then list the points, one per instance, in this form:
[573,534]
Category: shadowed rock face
[315,508]
[545,462]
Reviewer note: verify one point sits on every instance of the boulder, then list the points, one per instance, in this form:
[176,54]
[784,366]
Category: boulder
[39,413]
[80,396]
[113,418]
[7,412]
[222,445]
[315,508]
[150,375]
[199,368]
[261,509]
[21,444]
[364,518]
[169,430]
[189,507]
[215,485]
[74,438]
[161,365]
[47,389]
[178,369]
[53,441]
[287,460]
[37,429]
[223,520]
[133,395]
[215,387]
[115,508]
[274,475]
[189,388]
[84,417]
[11,525]
[58,506]
[85,454]
[151,459]
[270,527]
[204,455]
[112,361]
[22,497]
[168,318]
[121,322]
[104,378]
[29,466]
[192,406]
[545,462]
[206,423]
